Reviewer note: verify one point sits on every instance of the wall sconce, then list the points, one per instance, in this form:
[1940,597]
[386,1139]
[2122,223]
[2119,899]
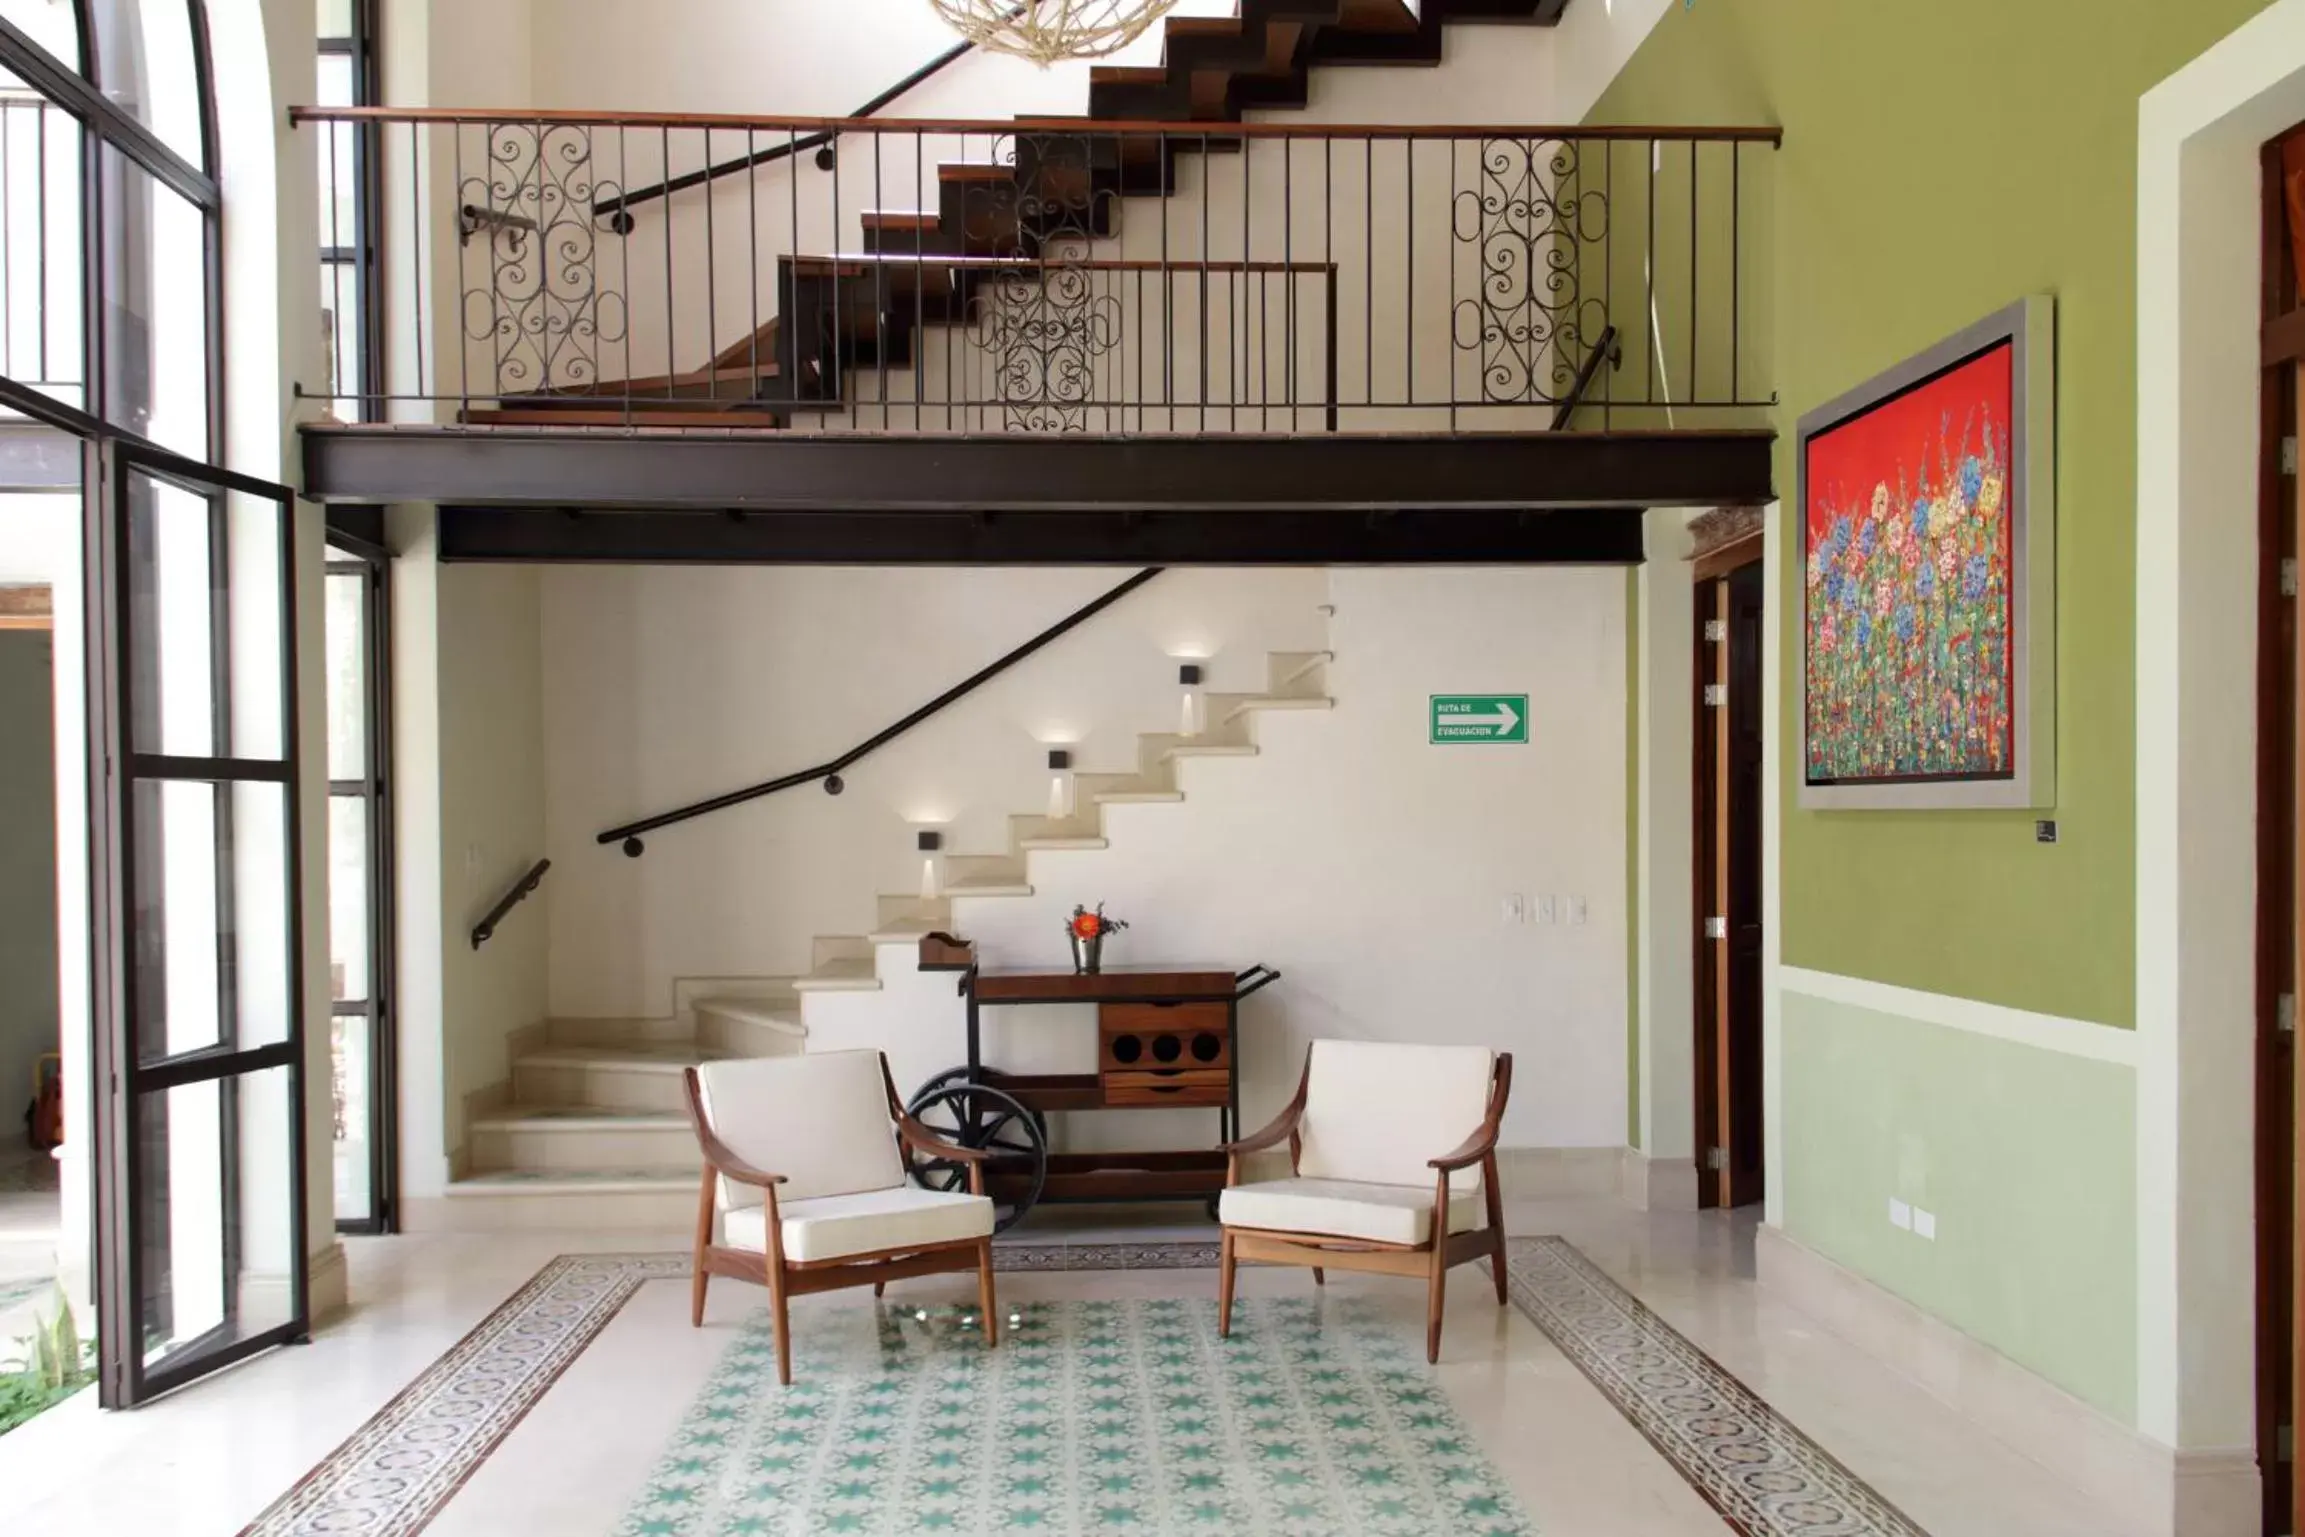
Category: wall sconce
[930,842]
[1189,712]
[1059,785]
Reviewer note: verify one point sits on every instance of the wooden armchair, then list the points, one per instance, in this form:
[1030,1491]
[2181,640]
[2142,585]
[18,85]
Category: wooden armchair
[1367,1192]
[839,1211]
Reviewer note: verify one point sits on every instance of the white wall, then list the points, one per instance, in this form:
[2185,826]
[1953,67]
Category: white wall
[468,692]
[1368,866]
[664,685]
[1665,947]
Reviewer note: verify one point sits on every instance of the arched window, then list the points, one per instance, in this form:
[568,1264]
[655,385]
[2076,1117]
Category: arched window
[111,345]
[108,254]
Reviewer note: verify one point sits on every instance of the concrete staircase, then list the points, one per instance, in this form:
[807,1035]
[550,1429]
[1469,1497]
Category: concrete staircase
[591,1130]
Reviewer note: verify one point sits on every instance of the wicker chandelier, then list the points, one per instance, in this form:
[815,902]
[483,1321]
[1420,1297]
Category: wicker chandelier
[1046,31]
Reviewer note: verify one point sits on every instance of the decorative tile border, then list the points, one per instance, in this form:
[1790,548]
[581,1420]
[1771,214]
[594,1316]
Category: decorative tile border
[1749,1462]
[1767,1479]
[392,1475]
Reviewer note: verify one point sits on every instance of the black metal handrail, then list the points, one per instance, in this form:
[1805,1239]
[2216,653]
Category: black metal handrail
[618,210]
[485,929]
[829,772]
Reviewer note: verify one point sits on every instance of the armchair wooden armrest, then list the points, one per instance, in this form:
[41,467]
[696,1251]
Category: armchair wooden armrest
[716,1152]
[1483,1141]
[922,1140]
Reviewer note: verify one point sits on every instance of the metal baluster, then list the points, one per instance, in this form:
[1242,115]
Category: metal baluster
[1452,310]
[752,266]
[711,285]
[1694,396]
[1368,270]
[840,354]
[788,333]
[423,248]
[1651,337]
[1167,174]
[623,228]
[1736,252]
[920,298]
[664,148]
[1289,278]
[1204,294]
[7,246]
[1409,244]
[40,212]
[880,286]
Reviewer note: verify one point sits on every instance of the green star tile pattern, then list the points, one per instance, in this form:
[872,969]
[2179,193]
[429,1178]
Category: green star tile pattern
[1317,1417]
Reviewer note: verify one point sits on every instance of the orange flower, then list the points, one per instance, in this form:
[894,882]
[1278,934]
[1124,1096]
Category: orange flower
[1088,925]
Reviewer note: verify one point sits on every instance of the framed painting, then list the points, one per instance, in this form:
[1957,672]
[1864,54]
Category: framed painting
[1928,621]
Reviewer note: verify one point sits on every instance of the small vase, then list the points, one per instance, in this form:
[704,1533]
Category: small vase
[1087,954]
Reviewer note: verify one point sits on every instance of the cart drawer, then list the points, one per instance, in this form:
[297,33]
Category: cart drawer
[1148,1037]
[1197,1086]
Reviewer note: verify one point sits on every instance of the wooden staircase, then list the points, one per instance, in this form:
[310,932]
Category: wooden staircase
[992,220]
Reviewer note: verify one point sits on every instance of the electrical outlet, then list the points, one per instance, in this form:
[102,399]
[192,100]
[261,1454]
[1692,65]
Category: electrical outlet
[1900,1215]
[1516,908]
[1576,909]
[1547,909]
[1924,1224]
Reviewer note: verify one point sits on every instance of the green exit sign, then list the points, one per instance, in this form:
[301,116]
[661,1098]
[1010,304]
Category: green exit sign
[1459,718]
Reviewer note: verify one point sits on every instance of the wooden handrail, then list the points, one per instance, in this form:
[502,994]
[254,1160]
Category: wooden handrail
[1074,126]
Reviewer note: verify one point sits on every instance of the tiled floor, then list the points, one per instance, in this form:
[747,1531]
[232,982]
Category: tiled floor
[214,1456]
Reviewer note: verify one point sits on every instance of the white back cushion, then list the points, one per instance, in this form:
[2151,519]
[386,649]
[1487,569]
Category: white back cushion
[820,1119]
[1380,1112]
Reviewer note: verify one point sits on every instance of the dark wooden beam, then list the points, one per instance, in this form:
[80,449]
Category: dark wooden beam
[1205,536]
[1020,472]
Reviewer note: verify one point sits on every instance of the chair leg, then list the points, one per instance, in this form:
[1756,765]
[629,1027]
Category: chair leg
[984,1294]
[783,1321]
[1497,1267]
[1493,1194]
[1225,1286]
[1320,1276]
[696,1287]
[1435,1294]
[879,1288]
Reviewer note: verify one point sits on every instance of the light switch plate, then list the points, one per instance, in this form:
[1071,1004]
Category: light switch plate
[1546,908]
[1576,909]
[1516,908]
[1924,1223]
[1900,1215]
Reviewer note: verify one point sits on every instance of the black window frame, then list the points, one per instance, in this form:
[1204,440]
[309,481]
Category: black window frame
[364,256]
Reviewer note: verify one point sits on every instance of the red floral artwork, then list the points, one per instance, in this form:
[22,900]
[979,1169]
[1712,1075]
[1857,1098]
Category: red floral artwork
[1909,586]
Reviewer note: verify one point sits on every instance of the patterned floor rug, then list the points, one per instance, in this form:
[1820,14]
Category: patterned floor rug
[392,1476]
[1315,1418]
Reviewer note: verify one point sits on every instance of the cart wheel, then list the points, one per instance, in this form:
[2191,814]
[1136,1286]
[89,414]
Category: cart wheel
[975,1116]
[1210,1205]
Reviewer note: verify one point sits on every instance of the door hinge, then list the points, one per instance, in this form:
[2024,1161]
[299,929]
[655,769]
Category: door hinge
[2289,455]
[1716,928]
[2285,1014]
[2288,576]
[1716,630]
[1716,695]
[1717,1159]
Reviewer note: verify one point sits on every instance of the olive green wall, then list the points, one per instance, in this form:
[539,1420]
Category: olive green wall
[1942,158]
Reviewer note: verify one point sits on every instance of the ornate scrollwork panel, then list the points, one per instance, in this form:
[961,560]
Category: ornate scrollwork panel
[1529,224]
[531,288]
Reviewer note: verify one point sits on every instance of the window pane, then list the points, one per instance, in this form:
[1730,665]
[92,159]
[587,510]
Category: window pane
[40,275]
[209,886]
[145,63]
[335,21]
[347,675]
[350,1092]
[339,176]
[214,1212]
[204,574]
[340,327]
[156,309]
[347,897]
[52,24]
[334,82]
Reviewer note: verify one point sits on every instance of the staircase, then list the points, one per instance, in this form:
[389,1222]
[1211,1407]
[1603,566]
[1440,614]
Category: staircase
[591,1131]
[845,314]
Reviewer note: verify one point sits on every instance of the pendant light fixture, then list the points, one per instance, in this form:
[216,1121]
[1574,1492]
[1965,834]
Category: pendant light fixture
[1046,31]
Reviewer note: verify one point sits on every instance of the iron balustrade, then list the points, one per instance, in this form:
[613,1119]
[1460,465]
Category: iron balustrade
[1038,276]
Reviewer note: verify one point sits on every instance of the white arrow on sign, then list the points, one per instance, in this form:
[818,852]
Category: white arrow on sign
[1504,720]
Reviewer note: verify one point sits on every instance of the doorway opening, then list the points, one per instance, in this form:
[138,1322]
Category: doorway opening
[1730,611]
[31,1017]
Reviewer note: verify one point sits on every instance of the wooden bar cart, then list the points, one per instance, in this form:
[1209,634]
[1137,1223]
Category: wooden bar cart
[1167,1038]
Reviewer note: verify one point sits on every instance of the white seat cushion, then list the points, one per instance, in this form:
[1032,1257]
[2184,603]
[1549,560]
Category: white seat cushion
[1338,1208]
[1379,1112]
[835,1226]
[820,1119]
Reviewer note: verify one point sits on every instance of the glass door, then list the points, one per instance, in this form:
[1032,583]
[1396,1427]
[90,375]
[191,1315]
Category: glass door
[359,892]
[200,1041]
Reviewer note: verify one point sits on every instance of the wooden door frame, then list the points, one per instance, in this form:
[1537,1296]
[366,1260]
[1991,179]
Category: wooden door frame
[1708,857]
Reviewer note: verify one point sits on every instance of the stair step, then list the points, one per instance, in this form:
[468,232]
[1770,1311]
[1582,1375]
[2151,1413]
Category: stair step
[641,1076]
[840,975]
[572,1119]
[1280,702]
[1065,843]
[987,888]
[669,1057]
[573,1140]
[1211,750]
[574,1182]
[1138,797]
